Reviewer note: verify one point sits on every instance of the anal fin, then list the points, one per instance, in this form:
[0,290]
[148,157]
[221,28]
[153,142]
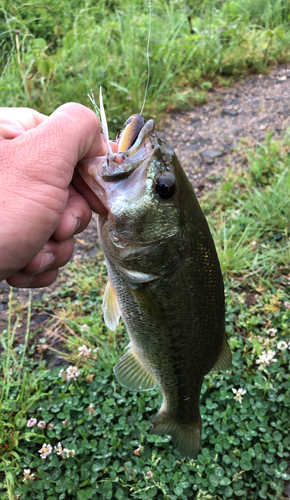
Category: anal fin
[132,373]
[224,360]
[111,307]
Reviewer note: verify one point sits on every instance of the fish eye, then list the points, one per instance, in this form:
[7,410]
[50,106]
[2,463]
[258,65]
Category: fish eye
[165,187]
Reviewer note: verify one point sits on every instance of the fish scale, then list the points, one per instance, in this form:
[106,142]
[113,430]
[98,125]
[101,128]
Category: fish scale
[164,278]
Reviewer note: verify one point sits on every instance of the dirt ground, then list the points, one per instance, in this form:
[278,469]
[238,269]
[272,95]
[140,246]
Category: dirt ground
[205,138]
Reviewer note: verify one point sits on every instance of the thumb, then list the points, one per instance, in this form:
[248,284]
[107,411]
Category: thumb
[71,133]
[36,169]
[43,158]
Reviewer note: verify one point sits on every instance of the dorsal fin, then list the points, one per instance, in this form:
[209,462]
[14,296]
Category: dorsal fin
[224,360]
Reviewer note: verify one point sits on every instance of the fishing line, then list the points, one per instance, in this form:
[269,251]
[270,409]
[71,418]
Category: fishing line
[97,109]
[147,56]
[104,123]
[100,112]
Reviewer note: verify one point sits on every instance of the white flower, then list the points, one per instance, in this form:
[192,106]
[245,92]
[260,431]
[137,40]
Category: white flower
[62,451]
[31,422]
[58,449]
[70,453]
[84,352]
[91,409]
[27,475]
[287,304]
[272,331]
[42,347]
[45,450]
[50,427]
[149,474]
[235,214]
[239,394]
[72,372]
[66,423]
[265,359]
[41,424]
[282,345]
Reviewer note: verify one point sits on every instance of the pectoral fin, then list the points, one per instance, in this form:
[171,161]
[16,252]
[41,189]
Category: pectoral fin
[225,358]
[132,373]
[111,307]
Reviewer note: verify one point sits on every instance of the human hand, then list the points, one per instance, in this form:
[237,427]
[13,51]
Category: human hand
[41,210]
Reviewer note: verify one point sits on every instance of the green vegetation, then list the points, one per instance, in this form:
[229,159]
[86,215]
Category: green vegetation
[58,51]
[104,427]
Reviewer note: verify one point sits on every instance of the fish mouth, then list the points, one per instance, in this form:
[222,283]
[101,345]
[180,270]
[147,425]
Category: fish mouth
[102,173]
[122,164]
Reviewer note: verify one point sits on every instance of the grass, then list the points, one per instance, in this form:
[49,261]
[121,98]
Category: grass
[245,445]
[250,220]
[57,51]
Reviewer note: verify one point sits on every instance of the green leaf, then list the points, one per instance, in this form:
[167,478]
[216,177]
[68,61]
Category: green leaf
[253,424]
[45,66]
[10,478]
[227,459]
[213,480]
[229,492]
[225,481]
[119,87]
[279,32]
[39,44]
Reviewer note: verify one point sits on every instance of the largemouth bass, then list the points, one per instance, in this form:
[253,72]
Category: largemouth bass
[164,278]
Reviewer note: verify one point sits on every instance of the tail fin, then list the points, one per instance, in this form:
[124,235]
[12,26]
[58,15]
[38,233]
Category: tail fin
[186,437]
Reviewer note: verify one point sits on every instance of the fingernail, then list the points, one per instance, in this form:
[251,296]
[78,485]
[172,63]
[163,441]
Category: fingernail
[76,226]
[16,130]
[11,131]
[47,259]
[22,280]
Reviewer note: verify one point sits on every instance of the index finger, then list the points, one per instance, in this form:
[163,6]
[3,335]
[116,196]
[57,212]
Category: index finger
[16,121]
[27,118]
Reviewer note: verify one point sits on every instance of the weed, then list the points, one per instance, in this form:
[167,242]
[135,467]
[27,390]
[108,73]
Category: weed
[52,54]
[75,433]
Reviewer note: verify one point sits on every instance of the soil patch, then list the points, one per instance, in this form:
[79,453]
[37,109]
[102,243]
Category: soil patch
[205,138]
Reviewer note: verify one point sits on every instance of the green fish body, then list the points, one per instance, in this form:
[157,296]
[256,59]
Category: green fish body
[164,280]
